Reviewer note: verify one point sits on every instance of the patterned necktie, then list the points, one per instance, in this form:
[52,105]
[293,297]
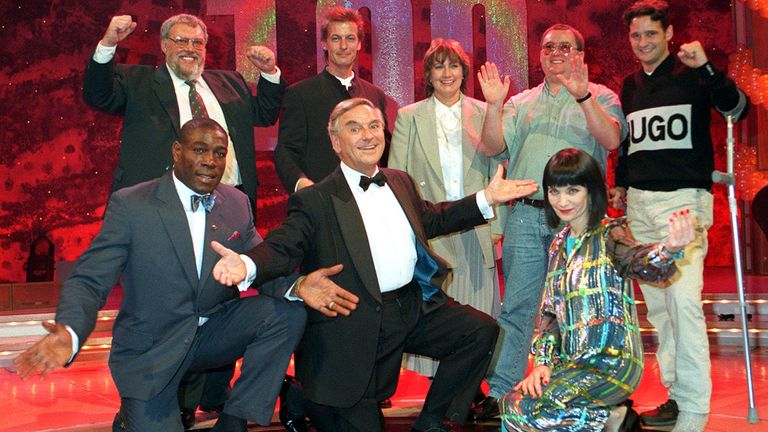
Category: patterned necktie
[380,179]
[196,101]
[207,200]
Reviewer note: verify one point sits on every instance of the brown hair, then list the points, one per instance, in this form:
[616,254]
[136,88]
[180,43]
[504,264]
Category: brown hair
[439,50]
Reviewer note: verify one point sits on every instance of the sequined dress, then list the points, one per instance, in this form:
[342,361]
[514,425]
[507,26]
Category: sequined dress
[588,331]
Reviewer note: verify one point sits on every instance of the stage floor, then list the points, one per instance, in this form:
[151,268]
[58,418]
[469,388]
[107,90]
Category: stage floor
[83,398]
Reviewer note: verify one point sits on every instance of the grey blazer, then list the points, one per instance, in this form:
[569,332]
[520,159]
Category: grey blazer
[414,149]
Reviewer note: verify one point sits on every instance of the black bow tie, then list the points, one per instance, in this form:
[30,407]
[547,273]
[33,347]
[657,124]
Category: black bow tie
[366,181]
[207,200]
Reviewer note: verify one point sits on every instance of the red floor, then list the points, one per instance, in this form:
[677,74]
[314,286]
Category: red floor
[83,397]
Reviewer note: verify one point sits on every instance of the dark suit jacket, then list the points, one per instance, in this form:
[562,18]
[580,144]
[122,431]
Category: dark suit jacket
[303,146]
[323,228]
[145,97]
[145,239]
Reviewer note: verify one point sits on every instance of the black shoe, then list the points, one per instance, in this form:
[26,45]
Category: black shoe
[488,409]
[290,421]
[664,415]
[187,418]
[386,403]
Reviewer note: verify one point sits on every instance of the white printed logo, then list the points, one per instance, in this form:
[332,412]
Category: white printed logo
[662,128]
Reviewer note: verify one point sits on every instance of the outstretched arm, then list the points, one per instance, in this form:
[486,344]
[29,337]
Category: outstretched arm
[51,352]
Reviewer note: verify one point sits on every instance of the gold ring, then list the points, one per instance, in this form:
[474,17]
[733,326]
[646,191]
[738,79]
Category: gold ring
[330,305]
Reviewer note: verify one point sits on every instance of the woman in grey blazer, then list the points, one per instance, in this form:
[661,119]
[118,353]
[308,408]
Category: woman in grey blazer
[435,141]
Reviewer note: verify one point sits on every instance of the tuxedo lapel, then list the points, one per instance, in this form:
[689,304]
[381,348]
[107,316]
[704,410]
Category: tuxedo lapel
[426,129]
[353,232]
[162,85]
[175,222]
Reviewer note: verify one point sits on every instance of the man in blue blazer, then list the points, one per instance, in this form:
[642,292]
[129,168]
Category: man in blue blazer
[175,317]
[374,288]
[154,101]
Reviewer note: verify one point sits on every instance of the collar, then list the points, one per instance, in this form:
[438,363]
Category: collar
[352,177]
[455,109]
[346,82]
[184,193]
[178,82]
[664,68]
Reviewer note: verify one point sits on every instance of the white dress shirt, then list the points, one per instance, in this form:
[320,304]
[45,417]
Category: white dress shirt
[449,137]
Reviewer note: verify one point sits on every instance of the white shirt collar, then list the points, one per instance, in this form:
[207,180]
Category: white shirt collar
[353,177]
[178,82]
[346,82]
[184,193]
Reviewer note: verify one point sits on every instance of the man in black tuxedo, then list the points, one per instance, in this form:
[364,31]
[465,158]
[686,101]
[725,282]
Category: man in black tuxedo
[378,292]
[303,154]
[175,317]
[155,101]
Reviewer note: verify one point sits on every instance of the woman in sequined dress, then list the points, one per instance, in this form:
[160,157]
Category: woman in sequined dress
[588,351]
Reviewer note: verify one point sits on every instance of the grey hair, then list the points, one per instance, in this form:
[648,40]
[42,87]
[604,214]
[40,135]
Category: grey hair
[344,106]
[190,20]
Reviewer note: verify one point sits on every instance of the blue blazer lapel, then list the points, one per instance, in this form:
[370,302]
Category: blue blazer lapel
[353,232]
[162,85]
[175,222]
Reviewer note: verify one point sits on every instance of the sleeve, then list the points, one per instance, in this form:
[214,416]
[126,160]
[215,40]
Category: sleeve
[611,104]
[96,272]
[291,141]
[104,87]
[546,345]
[727,98]
[267,101]
[647,262]
[285,247]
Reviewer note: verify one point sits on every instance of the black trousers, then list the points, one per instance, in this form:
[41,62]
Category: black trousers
[461,337]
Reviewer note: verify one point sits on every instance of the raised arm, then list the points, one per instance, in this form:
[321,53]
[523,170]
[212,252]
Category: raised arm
[494,91]
[605,129]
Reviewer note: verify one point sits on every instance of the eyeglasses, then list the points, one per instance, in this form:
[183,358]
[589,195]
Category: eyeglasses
[182,42]
[565,48]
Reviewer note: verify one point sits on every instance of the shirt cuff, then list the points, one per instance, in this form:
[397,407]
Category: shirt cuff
[104,54]
[482,204]
[250,275]
[273,78]
[288,295]
[75,342]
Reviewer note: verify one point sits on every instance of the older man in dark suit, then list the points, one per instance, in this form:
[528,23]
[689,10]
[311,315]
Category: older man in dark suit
[156,101]
[378,292]
[175,317]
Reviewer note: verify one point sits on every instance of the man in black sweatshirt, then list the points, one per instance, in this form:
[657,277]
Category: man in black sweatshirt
[665,168]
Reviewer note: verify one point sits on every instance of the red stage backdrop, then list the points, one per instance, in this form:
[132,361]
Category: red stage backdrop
[58,154]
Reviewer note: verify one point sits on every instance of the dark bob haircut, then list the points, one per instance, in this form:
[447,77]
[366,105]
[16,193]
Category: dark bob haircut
[573,167]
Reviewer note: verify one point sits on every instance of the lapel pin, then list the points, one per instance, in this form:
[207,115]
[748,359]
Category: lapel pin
[214,227]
